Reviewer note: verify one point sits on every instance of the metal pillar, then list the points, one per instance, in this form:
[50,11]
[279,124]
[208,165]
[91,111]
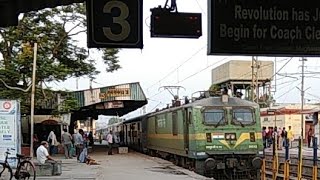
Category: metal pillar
[275,159]
[254,83]
[263,168]
[315,159]
[287,161]
[300,158]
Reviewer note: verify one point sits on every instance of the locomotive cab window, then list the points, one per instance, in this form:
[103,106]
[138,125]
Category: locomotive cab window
[243,116]
[214,117]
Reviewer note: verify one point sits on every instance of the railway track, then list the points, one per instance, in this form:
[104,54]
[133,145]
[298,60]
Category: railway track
[307,167]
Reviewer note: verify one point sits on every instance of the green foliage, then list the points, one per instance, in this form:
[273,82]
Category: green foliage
[113,120]
[111,59]
[59,55]
[214,90]
[68,104]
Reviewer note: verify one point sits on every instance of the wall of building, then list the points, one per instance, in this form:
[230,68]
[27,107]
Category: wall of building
[269,121]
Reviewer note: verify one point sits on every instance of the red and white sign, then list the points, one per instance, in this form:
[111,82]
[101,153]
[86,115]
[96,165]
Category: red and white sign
[6,105]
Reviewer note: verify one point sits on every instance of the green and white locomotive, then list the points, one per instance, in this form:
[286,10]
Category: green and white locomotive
[215,136]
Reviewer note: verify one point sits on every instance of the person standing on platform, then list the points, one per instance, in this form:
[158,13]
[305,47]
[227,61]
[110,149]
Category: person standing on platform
[310,136]
[290,137]
[280,141]
[52,139]
[284,137]
[78,142]
[264,137]
[90,138]
[67,141]
[36,144]
[110,142]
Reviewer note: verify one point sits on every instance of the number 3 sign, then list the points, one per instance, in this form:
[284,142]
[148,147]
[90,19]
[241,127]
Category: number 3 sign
[115,23]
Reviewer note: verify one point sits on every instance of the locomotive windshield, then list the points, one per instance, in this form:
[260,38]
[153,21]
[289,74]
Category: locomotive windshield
[214,117]
[243,116]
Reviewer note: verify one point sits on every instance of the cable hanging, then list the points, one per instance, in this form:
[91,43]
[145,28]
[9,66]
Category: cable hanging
[172,7]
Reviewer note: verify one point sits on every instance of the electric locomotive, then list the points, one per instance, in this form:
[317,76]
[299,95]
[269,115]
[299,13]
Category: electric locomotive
[218,137]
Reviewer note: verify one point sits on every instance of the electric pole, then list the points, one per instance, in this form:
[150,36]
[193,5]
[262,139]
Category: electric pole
[302,121]
[302,96]
[33,90]
[254,83]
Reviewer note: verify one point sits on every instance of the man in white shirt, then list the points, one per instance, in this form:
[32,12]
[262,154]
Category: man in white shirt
[110,142]
[43,154]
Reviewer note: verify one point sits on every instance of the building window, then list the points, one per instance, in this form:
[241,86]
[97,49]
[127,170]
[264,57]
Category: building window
[265,119]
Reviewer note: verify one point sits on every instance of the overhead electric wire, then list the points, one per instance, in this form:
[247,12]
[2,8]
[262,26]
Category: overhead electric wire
[184,62]
[313,95]
[193,75]
[269,64]
[288,91]
[201,8]
[286,82]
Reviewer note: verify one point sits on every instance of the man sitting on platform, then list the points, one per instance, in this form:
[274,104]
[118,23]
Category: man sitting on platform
[43,154]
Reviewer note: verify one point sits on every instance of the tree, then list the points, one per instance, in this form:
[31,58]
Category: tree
[59,54]
[215,90]
[113,120]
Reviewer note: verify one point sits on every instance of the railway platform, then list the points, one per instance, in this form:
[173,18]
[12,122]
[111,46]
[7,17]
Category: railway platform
[131,165]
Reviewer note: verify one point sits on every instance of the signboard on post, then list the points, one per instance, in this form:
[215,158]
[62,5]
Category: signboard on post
[264,27]
[10,130]
[115,23]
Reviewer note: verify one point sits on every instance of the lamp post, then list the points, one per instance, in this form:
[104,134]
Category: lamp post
[33,88]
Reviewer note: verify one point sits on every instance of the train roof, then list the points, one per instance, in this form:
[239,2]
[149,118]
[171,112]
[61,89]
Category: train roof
[215,101]
[137,118]
[210,101]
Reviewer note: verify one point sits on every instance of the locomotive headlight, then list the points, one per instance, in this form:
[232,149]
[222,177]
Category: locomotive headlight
[209,138]
[230,136]
[252,137]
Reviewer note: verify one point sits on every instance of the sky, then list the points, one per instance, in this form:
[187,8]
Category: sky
[184,62]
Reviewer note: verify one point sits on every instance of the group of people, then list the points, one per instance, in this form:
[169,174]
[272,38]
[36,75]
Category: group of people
[281,136]
[78,141]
